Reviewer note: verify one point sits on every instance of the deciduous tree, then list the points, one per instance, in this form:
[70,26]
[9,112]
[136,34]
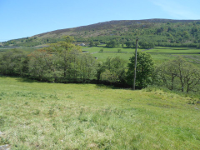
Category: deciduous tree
[179,74]
[144,72]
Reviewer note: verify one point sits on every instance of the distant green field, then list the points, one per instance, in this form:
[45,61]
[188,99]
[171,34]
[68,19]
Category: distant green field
[87,116]
[172,50]
[97,49]
[159,54]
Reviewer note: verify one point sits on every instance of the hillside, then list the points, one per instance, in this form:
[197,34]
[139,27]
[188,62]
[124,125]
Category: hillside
[112,24]
[161,32]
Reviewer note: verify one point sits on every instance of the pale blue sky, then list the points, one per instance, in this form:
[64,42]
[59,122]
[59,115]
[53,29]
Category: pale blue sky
[24,18]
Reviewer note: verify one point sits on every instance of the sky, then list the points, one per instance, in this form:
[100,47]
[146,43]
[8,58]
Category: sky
[25,18]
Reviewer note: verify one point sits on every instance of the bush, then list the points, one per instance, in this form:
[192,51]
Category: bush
[101,51]
[119,50]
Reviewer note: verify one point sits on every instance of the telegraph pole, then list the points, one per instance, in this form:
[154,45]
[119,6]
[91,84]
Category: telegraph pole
[134,80]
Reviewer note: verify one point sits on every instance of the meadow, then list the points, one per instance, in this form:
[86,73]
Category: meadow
[47,116]
[159,54]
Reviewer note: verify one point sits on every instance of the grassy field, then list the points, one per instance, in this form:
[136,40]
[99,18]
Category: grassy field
[159,54]
[172,50]
[54,116]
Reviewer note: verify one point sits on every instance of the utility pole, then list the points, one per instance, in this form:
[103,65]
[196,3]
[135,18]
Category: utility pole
[134,80]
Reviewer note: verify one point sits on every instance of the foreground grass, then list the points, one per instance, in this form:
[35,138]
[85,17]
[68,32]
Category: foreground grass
[86,116]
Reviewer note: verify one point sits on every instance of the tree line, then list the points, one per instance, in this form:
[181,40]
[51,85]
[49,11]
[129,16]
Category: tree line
[64,62]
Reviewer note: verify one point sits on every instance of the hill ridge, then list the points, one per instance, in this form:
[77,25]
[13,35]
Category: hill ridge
[161,32]
[114,22]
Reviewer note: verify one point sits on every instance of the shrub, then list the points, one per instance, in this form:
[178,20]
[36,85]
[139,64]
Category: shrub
[101,51]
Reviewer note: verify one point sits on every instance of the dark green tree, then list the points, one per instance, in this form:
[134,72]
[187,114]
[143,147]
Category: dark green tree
[144,72]
[14,62]
[96,43]
[112,44]
[129,44]
[91,44]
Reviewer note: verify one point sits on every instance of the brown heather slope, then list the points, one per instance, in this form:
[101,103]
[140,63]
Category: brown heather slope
[110,25]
